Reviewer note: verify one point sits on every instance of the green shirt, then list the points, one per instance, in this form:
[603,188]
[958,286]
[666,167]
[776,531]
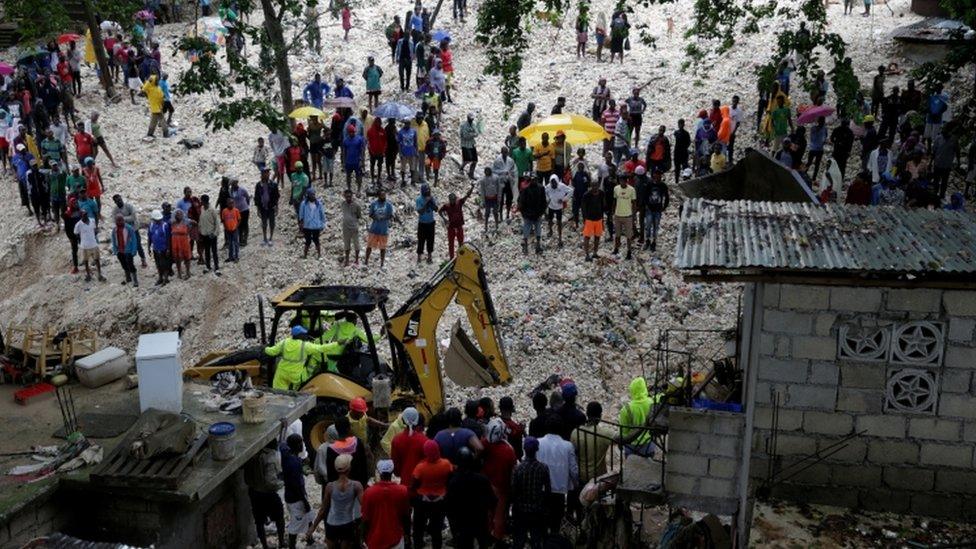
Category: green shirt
[75,183]
[523,159]
[299,183]
[58,184]
[781,121]
[51,149]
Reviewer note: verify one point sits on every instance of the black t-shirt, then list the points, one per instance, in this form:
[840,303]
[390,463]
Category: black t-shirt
[593,206]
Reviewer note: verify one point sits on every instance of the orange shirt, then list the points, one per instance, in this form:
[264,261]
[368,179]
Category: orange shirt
[433,477]
[230,217]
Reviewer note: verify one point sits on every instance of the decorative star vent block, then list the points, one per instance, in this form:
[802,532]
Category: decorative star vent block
[911,390]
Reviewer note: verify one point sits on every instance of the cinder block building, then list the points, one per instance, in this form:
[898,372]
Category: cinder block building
[858,350]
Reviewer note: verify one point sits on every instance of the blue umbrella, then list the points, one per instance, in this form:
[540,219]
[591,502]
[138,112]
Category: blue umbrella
[395,110]
[441,35]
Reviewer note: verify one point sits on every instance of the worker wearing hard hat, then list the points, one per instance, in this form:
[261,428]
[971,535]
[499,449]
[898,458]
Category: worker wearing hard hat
[343,332]
[293,352]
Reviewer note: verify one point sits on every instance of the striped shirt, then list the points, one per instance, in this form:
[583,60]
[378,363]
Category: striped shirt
[610,118]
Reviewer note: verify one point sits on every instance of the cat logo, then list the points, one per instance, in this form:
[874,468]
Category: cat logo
[413,327]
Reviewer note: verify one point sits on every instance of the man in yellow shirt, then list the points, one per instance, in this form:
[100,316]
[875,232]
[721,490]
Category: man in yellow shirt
[155,98]
[545,155]
[624,196]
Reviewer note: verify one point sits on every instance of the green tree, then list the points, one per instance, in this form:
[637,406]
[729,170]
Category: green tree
[717,27]
[42,20]
[252,91]
[958,59]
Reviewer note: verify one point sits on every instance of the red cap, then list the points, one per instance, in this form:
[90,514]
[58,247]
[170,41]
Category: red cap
[358,404]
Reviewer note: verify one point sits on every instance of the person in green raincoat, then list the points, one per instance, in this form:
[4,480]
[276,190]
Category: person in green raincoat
[291,372]
[633,415]
[342,332]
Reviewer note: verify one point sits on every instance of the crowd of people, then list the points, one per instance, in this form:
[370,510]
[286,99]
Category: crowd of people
[908,150]
[493,479]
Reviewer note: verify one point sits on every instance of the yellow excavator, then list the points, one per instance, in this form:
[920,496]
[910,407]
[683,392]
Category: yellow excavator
[414,371]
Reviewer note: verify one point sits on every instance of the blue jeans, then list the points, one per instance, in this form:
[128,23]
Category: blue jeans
[233,244]
[622,151]
[652,221]
[530,225]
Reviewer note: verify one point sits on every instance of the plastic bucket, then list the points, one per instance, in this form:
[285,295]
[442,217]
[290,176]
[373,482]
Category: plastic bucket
[254,410]
[222,440]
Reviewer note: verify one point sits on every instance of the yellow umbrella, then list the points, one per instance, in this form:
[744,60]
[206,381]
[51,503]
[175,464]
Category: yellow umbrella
[579,130]
[306,112]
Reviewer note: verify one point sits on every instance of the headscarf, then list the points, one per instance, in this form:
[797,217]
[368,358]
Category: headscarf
[410,418]
[495,430]
[384,467]
[831,177]
[432,451]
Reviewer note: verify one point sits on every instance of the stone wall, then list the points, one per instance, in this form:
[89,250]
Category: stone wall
[703,457]
[897,366]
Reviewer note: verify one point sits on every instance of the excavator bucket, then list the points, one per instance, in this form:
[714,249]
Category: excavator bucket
[464,363]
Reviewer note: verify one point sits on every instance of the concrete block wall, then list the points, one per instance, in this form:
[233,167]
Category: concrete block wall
[922,463]
[40,518]
[703,458]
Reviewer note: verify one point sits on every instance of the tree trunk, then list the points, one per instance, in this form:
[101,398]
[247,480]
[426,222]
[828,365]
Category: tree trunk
[275,33]
[97,45]
[433,16]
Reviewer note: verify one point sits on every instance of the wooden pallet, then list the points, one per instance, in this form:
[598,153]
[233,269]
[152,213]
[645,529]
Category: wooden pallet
[122,470]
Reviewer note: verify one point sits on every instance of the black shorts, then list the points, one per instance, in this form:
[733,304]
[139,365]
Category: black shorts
[266,506]
[469,155]
[311,235]
[316,148]
[636,120]
[554,214]
[342,532]
[100,141]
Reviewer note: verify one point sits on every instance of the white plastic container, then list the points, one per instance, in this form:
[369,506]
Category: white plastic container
[160,372]
[102,367]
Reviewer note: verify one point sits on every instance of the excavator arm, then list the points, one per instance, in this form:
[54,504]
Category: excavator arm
[413,332]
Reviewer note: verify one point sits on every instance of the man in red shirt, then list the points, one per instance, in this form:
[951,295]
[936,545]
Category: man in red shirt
[407,448]
[630,166]
[386,510]
[84,144]
[453,214]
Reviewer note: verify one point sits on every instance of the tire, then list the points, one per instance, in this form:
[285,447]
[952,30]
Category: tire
[315,423]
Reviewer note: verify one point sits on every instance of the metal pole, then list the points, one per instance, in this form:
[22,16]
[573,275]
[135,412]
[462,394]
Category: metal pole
[753,299]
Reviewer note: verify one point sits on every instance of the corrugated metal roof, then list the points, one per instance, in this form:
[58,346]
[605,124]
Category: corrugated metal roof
[742,235]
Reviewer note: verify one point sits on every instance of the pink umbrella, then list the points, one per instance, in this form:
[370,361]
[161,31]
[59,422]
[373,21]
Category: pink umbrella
[811,115]
[6,69]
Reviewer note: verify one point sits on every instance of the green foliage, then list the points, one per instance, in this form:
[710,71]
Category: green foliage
[956,63]
[38,20]
[42,20]
[501,29]
[227,114]
[717,24]
[249,91]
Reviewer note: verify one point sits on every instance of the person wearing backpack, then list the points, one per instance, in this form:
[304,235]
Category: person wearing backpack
[262,474]
[658,199]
